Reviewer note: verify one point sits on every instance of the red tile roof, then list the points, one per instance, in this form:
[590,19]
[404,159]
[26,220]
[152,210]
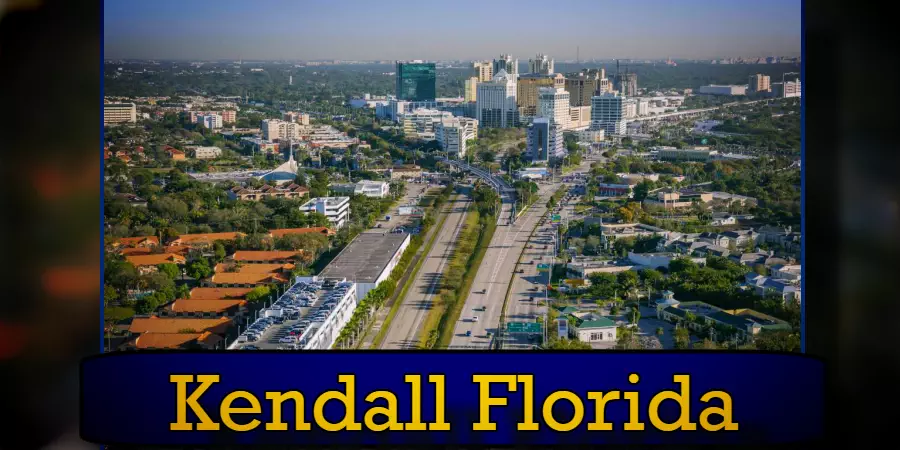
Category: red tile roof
[157,324]
[213,293]
[282,232]
[154,259]
[277,255]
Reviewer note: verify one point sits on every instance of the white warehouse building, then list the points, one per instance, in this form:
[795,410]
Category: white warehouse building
[368,260]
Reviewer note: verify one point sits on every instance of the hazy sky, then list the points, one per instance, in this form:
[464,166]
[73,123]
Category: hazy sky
[454,29]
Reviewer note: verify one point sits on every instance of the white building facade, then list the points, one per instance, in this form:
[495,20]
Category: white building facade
[453,133]
[336,209]
[496,102]
[541,64]
[211,121]
[553,103]
[279,129]
[207,152]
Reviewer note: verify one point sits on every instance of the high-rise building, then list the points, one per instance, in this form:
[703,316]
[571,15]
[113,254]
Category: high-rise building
[787,89]
[643,108]
[759,83]
[584,85]
[419,124]
[291,116]
[416,81]
[453,132]
[544,140]
[579,117]
[626,84]
[471,89]
[211,121]
[540,64]
[484,70]
[507,63]
[527,90]
[119,113]
[608,113]
[630,108]
[278,129]
[553,103]
[495,104]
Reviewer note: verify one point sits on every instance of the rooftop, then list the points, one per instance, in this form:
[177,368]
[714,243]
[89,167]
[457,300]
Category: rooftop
[156,324]
[276,255]
[252,268]
[202,306]
[138,240]
[364,259]
[214,293]
[155,259]
[247,278]
[282,232]
[175,340]
[206,238]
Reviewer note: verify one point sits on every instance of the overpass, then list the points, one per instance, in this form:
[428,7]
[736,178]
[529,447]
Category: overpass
[690,112]
[507,193]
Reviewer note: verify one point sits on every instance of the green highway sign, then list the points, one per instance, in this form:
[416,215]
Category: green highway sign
[523,327]
[556,217]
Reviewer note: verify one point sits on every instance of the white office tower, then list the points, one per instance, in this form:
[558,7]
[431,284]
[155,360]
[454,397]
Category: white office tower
[608,113]
[507,63]
[484,70]
[453,132]
[290,80]
[553,103]
[540,64]
[495,102]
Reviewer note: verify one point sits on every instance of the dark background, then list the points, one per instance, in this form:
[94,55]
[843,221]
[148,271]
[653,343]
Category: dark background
[50,143]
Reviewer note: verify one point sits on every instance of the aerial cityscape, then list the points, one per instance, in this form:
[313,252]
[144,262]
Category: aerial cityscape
[605,188]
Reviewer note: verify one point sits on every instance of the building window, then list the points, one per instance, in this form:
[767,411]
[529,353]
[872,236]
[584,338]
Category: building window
[596,336]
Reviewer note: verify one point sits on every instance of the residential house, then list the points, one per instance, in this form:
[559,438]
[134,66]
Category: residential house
[729,239]
[183,341]
[183,307]
[174,153]
[232,267]
[783,236]
[678,313]
[721,219]
[282,232]
[763,286]
[753,258]
[246,279]
[217,293]
[276,256]
[155,324]
[594,329]
[137,241]
[787,272]
[146,264]
[205,239]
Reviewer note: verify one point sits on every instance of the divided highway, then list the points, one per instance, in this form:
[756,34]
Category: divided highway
[405,328]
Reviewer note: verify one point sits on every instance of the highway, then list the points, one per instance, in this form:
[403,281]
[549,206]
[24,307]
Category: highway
[494,275]
[528,287]
[414,307]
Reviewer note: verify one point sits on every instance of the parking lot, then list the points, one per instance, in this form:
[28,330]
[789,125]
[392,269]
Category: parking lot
[294,318]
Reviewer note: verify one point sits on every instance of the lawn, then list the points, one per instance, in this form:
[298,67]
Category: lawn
[118,313]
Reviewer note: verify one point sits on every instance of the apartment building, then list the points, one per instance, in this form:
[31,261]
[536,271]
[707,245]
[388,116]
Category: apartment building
[267,191]
[119,113]
[279,129]
[453,133]
[496,105]
[336,209]
[207,152]
[527,90]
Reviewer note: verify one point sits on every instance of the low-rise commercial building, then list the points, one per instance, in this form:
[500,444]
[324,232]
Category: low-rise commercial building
[252,194]
[406,172]
[367,260]
[583,266]
[207,152]
[336,209]
[715,89]
[685,154]
[119,113]
[681,199]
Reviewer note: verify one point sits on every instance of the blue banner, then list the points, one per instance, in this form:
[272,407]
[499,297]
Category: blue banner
[450,398]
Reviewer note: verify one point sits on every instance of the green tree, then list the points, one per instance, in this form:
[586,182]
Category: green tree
[199,269]
[171,270]
[258,293]
[682,338]
[218,251]
[779,340]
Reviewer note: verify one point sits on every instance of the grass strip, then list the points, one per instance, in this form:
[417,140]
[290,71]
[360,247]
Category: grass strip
[396,305]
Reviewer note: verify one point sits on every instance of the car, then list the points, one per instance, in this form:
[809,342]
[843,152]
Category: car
[286,340]
[468,332]
[249,347]
[252,337]
[531,298]
[474,318]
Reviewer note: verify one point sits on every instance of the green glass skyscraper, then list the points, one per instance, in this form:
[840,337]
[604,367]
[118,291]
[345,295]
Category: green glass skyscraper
[416,81]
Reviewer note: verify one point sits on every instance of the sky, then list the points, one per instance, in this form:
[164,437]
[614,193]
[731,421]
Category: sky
[449,30]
